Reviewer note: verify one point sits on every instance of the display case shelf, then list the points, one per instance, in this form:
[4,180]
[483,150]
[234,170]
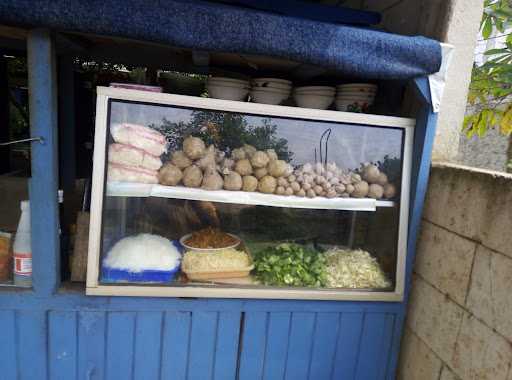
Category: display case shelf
[128,189]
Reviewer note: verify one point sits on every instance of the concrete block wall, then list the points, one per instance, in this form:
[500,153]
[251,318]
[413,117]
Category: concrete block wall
[459,324]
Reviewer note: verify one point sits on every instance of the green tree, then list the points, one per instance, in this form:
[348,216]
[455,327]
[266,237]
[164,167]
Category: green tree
[491,83]
[226,131]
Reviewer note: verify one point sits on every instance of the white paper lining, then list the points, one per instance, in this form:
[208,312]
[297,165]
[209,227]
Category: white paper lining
[437,81]
[127,189]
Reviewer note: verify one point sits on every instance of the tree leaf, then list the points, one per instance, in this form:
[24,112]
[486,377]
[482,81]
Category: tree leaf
[487,28]
[481,126]
[468,120]
[506,121]
[499,25]
[503,13]
[472,97]
[496,51]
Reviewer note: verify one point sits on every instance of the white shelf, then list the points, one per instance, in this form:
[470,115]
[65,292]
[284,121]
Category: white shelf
[128,189]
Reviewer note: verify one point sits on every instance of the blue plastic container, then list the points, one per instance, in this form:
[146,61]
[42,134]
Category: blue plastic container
[114,275]
[146,276]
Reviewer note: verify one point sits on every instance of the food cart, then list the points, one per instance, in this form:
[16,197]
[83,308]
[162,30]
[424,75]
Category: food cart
[229,239]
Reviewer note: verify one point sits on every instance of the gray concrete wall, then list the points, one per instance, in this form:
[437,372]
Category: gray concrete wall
[487,152]
[460,28]
[459,323]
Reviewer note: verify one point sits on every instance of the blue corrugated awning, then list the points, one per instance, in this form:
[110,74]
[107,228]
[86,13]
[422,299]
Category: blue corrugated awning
[350,50]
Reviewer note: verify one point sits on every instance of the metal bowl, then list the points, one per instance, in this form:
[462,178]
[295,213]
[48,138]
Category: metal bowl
[187,247]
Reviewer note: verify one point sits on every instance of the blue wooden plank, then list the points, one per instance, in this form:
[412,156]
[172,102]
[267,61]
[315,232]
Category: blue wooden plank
[76,300]
[277,345]
[424,136]
[8,347]
[386,344]
[62,336]
[300,345]
[203,336]
[148,333]
[91,345]
[226,351]
[252,351]
[120,341]
[44,182]
[175,345]
[347,347]
[31,343]
[324,346]
[395,345]
[371,347]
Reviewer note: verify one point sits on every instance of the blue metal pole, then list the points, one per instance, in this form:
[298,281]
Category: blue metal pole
[42,81]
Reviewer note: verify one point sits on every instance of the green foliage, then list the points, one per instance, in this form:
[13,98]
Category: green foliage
[392,166]
[290,265]
[226,131]
[491,83]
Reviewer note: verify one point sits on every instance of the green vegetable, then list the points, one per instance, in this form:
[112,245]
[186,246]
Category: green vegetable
[290,265]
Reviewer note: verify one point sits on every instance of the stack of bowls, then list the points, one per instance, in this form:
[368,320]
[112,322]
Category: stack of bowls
[318,97]
[270,90]
[227,88]
[355,97]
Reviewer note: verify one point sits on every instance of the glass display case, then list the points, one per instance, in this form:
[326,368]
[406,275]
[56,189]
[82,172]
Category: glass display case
[197,197]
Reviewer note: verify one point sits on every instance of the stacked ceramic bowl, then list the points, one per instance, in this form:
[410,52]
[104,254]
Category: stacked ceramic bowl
[355,97]
[227,88]
[319,97]
[270,90]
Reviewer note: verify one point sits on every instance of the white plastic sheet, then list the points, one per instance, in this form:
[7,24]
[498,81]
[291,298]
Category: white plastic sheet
[437,81]
[241,197]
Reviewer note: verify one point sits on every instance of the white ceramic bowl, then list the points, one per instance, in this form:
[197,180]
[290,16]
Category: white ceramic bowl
[280,84]
[356,93]
[351,101]
[273,90]
[369,98]
[268,96]
[357,88]
[326,89]
[283,82]
[227,92]
[320,102]
[187,247]
[272,85]
[352,105]
[230,81]
[315,92]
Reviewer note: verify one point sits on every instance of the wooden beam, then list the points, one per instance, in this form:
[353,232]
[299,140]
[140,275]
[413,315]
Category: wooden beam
[44,209]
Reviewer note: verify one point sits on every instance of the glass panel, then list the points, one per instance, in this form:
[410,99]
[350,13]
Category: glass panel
[249,201]
[15,246]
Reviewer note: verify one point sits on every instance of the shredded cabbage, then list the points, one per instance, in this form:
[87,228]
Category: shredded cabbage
[354,269]
[225,259]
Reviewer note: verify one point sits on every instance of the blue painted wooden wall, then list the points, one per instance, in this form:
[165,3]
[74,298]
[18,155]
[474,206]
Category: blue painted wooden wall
[47,333]
[121,343]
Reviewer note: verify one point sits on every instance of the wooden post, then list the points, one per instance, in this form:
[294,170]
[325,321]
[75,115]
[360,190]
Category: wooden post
[42,85]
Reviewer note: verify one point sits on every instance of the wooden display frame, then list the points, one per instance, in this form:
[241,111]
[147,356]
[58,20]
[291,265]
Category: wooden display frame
[104,94]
